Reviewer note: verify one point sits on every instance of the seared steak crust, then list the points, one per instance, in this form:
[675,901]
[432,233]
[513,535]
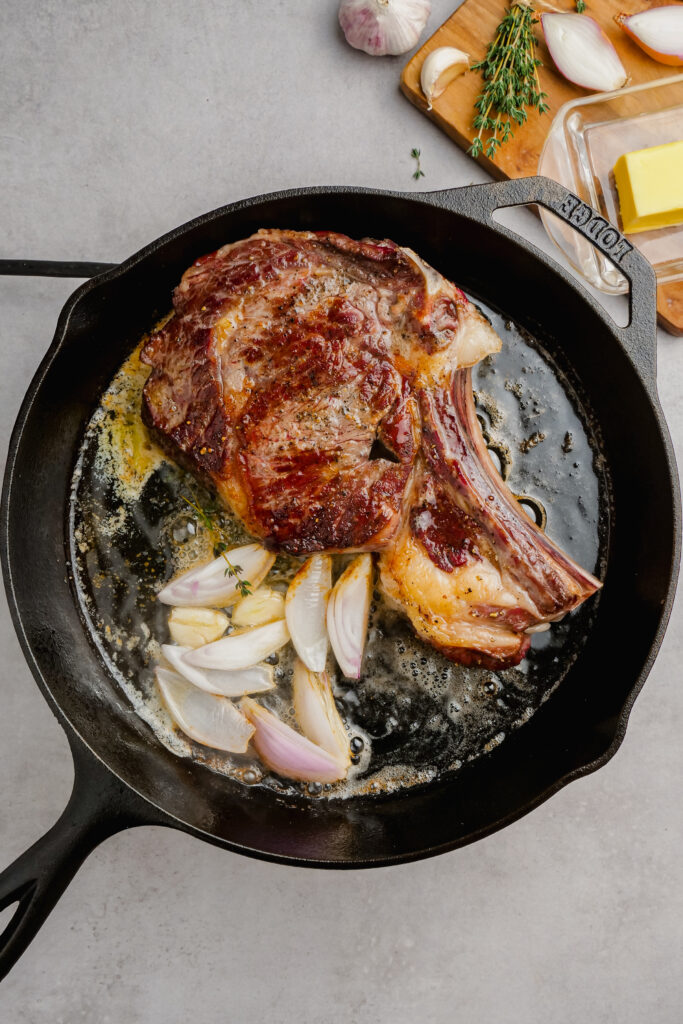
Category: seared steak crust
[287,377]
[320,384]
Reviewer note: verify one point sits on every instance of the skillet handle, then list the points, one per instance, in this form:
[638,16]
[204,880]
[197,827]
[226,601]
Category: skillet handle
[52,268]
[640,336]
[99,807]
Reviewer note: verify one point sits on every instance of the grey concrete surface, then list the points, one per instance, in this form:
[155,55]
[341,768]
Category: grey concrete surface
[119,120]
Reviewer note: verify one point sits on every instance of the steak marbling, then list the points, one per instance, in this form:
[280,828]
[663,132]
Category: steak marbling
[320,385]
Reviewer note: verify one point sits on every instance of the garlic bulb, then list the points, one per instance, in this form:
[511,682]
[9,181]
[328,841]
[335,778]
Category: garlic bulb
[438,70]
[380,27]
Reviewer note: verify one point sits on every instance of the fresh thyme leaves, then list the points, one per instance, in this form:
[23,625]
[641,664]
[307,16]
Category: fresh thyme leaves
[580,6]
[418,172]
[207,517]
[204,515]
[510,72]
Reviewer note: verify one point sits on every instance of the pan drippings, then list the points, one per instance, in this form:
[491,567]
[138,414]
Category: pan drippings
[414,715]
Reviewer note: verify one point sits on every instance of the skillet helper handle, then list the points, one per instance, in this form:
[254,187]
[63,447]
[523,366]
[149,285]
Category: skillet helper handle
[640,336]
[99,806]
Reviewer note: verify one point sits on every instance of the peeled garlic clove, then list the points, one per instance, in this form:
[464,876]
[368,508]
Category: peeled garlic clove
[264,605]
[194,627]
[256,679]
[658,31]
[211,585]
[305,608]
[438,70]
[241,650]
[316,712]
[288,752]
[382,27]
[582,52]
[348,611]
[213,721]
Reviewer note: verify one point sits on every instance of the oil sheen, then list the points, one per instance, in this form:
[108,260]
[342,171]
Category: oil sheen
[414,715]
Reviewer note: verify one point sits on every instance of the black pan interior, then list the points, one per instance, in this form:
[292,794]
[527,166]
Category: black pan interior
[575,728]
[414,715]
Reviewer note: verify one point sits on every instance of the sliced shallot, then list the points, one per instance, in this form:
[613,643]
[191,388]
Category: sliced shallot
[241,650]
[305,607]
[316,712]
[582,52]
[256,679]
[212,585]
[347,615]
[287,751]
[264,605]
[213,721]
[658,31]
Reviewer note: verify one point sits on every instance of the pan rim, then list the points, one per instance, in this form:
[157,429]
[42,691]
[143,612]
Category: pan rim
[32,392]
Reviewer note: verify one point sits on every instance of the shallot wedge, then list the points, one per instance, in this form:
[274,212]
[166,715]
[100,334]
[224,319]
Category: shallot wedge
[582,52]
[257,679]
[347,615]
[241,650]
[212,585]
[288,752]
[213,721]
[305,608]
[316,712]
[658,31]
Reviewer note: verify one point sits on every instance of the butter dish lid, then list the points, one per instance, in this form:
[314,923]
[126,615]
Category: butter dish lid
[586,139]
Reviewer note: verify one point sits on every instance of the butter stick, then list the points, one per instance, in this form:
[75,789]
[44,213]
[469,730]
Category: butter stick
[650,186]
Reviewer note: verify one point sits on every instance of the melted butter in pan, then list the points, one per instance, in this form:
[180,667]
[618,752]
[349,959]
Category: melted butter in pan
[126,451]
[414,715]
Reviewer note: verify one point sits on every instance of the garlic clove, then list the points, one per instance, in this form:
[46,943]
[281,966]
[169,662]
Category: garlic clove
[255,679]
[194,627]
[316,712]
[287,751]
[439,69]
[264,605]
[213,721]
[582,52]
[382,27]
[658,31]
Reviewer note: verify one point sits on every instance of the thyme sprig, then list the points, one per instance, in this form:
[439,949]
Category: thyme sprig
[418,172]
[510,72]
[207,517]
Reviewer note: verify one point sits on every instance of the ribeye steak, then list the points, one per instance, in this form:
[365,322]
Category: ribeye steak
[320,384]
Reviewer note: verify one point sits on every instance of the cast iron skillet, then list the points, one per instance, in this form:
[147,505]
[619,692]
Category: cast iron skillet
[123,775]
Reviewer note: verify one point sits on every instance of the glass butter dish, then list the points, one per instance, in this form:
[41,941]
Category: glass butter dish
[586,139]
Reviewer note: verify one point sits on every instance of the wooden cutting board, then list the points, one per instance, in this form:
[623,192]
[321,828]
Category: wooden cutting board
[471,28]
